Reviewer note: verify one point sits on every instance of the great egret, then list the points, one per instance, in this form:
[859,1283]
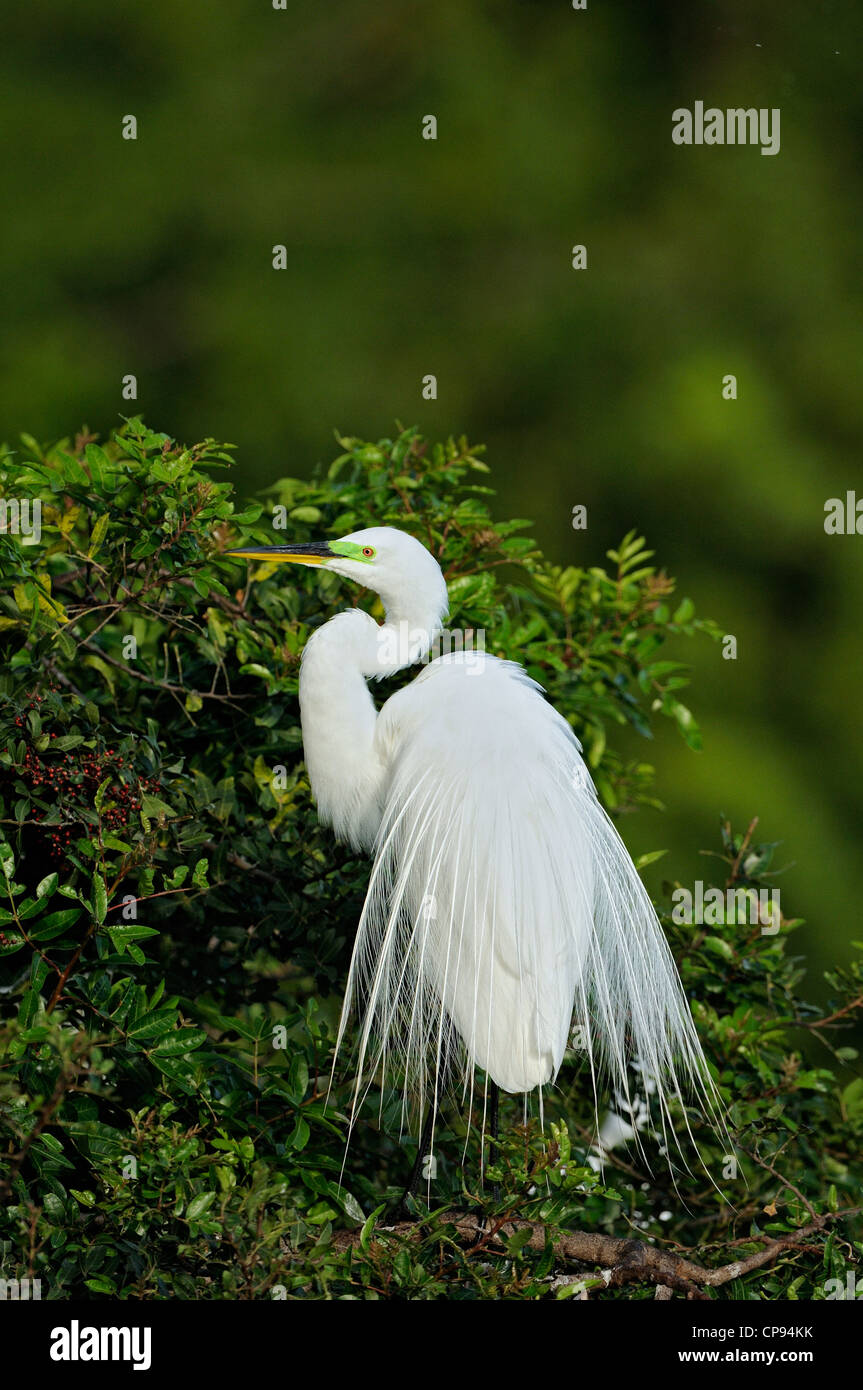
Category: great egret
[503,906]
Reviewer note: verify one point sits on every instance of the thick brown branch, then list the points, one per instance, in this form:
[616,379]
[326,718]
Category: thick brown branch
[622,1261]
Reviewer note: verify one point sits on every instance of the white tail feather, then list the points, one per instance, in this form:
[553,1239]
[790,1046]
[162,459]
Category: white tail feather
[503,906]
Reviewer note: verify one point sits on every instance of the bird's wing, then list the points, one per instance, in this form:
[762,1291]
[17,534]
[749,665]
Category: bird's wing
[502,899]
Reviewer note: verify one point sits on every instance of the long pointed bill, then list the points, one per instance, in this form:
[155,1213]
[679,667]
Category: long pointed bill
[314,553]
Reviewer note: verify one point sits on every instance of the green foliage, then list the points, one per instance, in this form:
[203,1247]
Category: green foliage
[175,927]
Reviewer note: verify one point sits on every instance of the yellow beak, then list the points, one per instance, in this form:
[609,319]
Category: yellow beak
[314,553]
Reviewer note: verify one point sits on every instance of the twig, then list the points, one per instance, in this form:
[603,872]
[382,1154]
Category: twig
[744,845]
[786,1182]
[169,686]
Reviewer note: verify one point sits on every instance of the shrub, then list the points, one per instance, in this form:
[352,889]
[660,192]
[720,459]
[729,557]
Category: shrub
[175,927]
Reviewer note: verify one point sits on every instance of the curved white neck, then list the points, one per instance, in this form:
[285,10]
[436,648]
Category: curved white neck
[338,713]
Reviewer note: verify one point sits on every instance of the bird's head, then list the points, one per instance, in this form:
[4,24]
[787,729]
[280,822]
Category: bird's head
[392,563]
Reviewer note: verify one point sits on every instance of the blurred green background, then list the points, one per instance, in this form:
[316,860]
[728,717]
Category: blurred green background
[302,126]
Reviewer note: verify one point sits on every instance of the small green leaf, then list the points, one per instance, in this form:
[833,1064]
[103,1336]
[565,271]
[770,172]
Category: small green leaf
[125,932]
[101,793]
[199,1205]
[100,897]
[47,886]
[100,1283]
[650,858]
[176,1044]
[97,535]
[55,924]
[719,947]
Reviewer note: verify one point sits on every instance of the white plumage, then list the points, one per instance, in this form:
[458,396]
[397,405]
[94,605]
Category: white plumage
[503,908]
[479,904]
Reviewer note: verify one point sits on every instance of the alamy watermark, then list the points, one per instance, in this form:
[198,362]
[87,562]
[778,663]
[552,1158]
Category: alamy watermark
[736,125]
[715,907]
[21,518]
[843,1289]
[20,1290]
[401,645]
[77,1343]
[844,515]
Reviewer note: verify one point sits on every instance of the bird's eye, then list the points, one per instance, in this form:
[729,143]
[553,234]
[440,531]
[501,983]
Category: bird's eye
[368,551]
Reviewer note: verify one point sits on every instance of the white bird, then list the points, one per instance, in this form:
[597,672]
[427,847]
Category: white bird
[503,908]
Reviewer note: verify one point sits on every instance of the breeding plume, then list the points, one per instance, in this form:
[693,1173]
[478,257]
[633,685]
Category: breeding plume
[503,908]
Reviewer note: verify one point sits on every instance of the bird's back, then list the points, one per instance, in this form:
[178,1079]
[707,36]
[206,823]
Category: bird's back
[502,901]
[480,904]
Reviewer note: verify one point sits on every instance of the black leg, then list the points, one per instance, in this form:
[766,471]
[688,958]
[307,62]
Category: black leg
[422,1153]
[493,1120]
[493,1124]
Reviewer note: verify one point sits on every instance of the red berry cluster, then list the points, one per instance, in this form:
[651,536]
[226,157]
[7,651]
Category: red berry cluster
[71,779]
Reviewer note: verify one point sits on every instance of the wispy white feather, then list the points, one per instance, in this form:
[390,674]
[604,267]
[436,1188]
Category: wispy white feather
[503,907]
